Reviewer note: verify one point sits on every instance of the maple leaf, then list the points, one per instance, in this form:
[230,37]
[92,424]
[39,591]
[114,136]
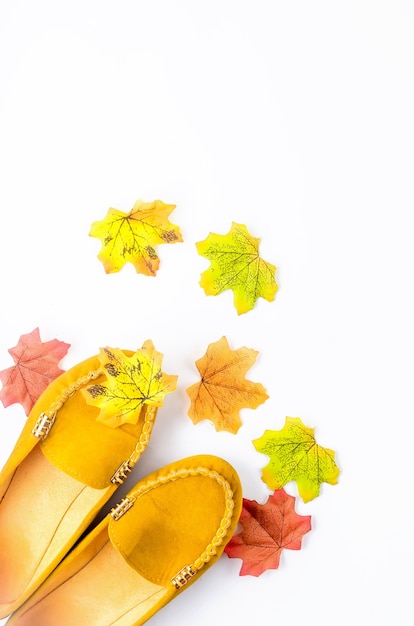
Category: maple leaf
[295,455]
[236,265]
[132,237]
[267,530]
[36,365]
[131,382]
[223,389]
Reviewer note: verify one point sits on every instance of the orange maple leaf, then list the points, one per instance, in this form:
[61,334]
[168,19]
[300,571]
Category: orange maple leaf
[223,389]
[36,365]
[267,530]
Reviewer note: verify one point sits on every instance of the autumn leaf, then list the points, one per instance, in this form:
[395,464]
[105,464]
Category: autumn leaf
[236,265]
[132,237]
[36,365]
[267,530]
[223,389]
[131,382]
[295,455]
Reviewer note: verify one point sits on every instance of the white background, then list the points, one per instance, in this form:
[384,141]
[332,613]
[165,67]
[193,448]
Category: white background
[296,119]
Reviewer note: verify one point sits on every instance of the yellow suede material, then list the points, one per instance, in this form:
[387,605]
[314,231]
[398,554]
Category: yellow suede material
[80,446]
[26,441]
[87,449]
[41,514]
[170,526]
[104,591]
[51,490]
[125,578]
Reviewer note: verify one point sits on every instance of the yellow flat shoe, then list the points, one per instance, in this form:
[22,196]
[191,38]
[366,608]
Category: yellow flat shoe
[169,529]
[61,471]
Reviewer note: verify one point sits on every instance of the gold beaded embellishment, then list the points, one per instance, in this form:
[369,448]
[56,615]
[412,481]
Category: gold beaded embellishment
[183,576]
[122,507]
[43,425]
[46,419]
[217,540]
[125,468]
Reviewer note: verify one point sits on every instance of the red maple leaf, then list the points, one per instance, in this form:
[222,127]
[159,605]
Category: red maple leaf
[36,365]
[267,530]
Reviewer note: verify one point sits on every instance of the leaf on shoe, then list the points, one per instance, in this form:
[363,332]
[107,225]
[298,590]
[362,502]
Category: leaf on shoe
[236,265]
[295,455]
[132,381]
[36,365]
[132,237]
[223,389]
[267,530]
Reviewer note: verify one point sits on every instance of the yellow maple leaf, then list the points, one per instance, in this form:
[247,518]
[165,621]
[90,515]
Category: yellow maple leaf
[132,237]
[131,382]
[223,389]
[236,265]
[295,455]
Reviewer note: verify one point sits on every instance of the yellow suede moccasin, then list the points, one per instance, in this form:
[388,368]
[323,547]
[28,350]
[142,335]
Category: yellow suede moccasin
[64,467]
[169,529]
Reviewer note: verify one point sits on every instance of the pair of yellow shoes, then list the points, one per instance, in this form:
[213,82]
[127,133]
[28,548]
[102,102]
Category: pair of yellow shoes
[168,529]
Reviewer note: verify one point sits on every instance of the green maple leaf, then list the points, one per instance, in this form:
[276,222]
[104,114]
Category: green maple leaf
[295,455]
[236,265]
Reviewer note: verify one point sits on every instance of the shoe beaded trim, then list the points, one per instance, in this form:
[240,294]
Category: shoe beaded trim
[46,420]
[187,572]
[126,467]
